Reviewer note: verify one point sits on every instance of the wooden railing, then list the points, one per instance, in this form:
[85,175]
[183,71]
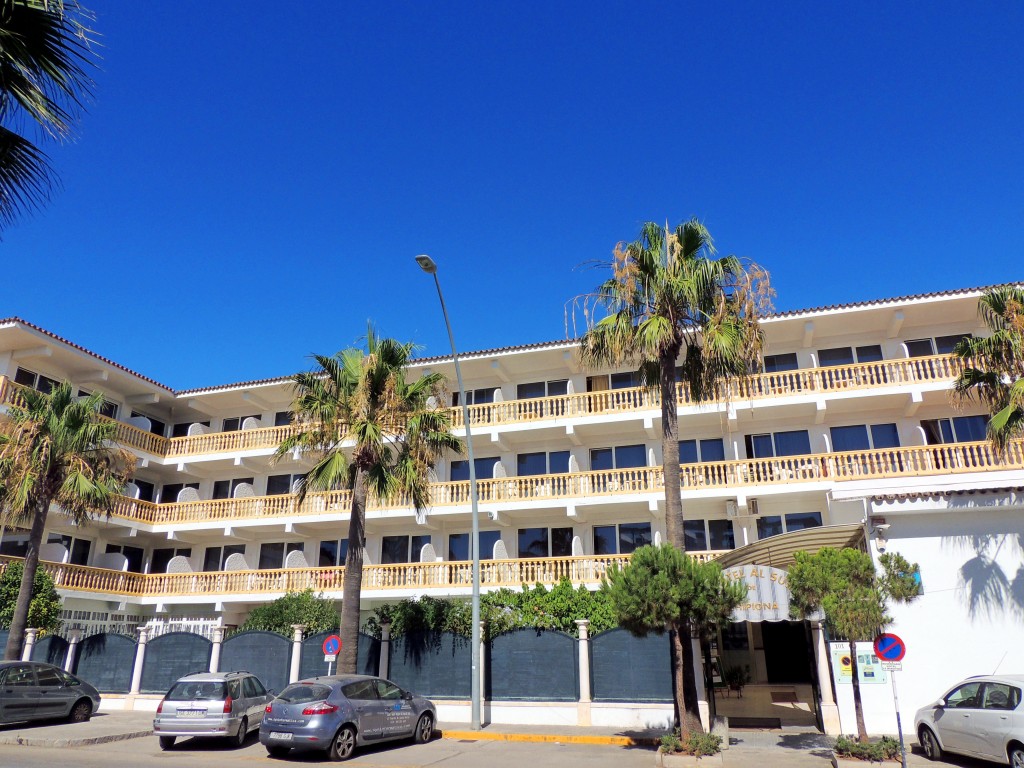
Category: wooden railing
[916,461]
[442,576]
[803,381]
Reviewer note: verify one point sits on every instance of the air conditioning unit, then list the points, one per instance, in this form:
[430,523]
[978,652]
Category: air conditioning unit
[730,508]
[752,507]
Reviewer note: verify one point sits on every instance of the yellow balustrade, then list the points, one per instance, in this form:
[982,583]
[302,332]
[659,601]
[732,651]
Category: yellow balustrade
[419,576]
[803,381]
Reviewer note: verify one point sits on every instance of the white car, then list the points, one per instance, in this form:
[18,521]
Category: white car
[981,717]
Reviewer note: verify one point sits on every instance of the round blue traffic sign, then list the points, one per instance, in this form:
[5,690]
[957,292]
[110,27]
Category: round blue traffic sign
[332,644]
[889,647]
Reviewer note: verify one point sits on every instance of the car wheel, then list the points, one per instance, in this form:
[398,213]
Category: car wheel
[344,743]
[166,742]
[278,751]
[424,729]
[930,744]
[81,712]
[243,732]
[1016,755]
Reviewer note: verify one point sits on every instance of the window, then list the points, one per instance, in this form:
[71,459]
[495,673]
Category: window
[620,457]
[387,690]
[695,535]
[959,429]
[484,469]
[20,675]
[251,688]
[791,443]
[181,428]
[147,491]
[860,437]
[133,555]
[363,690]
[944,345]
[402,549]
[273,554]
[848,356]
[161,557]
[107,408]
[920,348]
[234,424]
[333,553]
[998,696]
[542,389]
[169,493]
[734,636]
[779,363]
[476,396]
[458,545]
[556,462]
[225,489]
[281,485]
[720,534]
[622,539]
[772,525]
[156,426]
[35,380]
[967,696]
[695,451]
[545,542]
[283,418]
[78,550]
[214,558]
[49,677]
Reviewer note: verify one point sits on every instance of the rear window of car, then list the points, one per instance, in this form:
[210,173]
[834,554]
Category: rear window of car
[300,693]
[201,690]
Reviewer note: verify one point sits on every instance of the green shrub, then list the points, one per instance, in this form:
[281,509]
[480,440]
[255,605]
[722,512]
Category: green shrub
[886,748]
[45,605]
[697,744]
[316,612]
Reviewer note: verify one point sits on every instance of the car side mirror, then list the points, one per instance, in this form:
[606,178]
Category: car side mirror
[271,692]
[941,703]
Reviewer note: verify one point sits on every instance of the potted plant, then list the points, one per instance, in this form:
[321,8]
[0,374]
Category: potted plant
[736,677]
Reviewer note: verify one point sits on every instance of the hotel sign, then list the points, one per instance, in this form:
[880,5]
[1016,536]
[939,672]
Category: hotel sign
[767,593]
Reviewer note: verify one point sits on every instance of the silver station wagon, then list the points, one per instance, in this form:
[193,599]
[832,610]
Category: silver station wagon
[340,712]
[224,704]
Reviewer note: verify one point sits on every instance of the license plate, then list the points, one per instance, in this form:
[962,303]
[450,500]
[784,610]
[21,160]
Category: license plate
[191,713]
[281,736]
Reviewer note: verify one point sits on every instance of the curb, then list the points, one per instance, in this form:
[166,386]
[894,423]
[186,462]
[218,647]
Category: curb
[551,738]
[42,741]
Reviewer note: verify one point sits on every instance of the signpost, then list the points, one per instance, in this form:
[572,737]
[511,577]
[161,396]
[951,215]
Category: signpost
[332,644]
[890,650]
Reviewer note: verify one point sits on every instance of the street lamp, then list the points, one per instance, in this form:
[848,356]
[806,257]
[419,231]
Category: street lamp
[427,265]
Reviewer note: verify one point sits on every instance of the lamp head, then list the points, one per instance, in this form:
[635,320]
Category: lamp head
[426,264]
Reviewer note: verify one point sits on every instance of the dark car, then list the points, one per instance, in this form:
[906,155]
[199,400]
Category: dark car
[338,713]
[32,690]
[224,704]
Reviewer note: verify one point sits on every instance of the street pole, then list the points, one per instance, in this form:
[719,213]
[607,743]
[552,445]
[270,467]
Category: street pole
[427,265]
[899,725]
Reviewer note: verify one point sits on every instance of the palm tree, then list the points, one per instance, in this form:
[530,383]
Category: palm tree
[55,449]
[668,297]
[993,371]
[44,56]
[360,404]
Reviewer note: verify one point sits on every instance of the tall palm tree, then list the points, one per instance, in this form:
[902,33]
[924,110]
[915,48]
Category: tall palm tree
[370,430]
[669,297]
[44,60]
[993,372]
[55,449]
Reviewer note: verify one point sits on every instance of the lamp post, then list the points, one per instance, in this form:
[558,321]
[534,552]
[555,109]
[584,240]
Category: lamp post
[427,265]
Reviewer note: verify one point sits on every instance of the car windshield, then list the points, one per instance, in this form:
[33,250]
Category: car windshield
[191,690]
[300,693]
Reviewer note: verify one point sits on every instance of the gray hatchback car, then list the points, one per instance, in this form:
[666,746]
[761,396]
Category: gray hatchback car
[32,690]
[224,704]
[340,712]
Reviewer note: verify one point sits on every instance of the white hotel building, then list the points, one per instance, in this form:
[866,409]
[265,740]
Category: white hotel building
[848,437]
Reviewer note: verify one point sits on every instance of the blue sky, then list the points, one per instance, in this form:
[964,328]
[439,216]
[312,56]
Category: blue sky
[253,180]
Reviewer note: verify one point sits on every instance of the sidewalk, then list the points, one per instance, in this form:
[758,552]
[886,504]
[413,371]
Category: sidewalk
[101,728]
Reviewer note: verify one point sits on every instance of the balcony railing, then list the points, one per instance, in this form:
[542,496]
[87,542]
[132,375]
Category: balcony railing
[767,385]
[918,461]
[444,576]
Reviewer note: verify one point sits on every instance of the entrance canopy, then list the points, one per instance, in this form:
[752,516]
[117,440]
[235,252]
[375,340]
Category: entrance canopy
[778,551]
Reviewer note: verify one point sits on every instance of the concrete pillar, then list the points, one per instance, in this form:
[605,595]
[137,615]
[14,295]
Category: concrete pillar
[30,640]
[483,672]
[218,641]
[829,708]
[583,707]
[385,649]
[293,672]
[74,638]
[140,658]
[702,692]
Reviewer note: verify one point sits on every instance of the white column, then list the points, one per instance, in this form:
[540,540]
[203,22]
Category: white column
[293,673]
[218,641]
[30,640]
[698,674]
[829,708]
[583,707]
[74,638]
[385,649]
[140,658]
[483,670]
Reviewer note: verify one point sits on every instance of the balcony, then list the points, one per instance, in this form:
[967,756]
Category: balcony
[444,577]
[719,476]
[806,381]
